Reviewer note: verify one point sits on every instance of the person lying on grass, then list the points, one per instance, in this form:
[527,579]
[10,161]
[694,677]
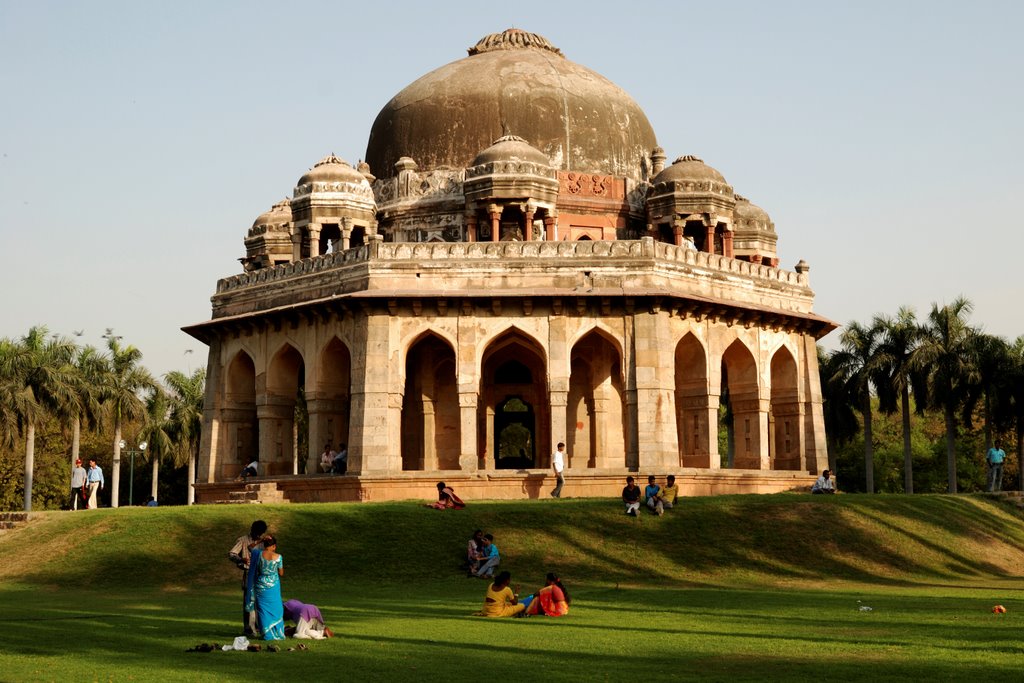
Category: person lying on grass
[500,600]
[551,600]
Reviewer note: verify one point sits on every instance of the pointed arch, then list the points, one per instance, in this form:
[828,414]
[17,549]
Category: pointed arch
[786,414]
[328,401]
[745,418]
[513,365]
[696,416]
[238,416]
[282,413]
[430,406]
[595,410]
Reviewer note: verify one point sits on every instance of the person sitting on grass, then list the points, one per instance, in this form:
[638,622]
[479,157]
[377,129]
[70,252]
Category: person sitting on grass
[309,623]
[487,559]
[824,484]
[473,549]
[552,600]
[446,498]
[502,601]
[652,494]
[669,492]
[631,497]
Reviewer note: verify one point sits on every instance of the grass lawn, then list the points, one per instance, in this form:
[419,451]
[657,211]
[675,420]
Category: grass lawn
[730,588]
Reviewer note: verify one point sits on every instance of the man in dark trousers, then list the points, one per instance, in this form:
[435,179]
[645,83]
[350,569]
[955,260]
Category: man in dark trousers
[239,554]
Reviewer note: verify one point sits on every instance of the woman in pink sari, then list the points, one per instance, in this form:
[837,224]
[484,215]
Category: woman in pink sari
[552,600]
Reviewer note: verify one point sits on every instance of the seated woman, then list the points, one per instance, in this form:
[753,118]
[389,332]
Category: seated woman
[263,590]
[446,498]
[309,623]
[502,601]
[551,600]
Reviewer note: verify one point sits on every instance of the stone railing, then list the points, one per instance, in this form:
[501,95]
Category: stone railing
[432,252]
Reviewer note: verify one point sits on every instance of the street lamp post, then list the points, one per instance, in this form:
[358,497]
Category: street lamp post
[131,476]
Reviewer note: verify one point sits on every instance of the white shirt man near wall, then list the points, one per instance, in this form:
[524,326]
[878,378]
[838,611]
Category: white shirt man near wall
[558,465]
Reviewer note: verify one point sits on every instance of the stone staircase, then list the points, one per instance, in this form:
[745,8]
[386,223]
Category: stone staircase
[13,520]
[256,493]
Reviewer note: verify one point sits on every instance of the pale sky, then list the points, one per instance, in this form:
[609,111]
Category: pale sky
[139,140]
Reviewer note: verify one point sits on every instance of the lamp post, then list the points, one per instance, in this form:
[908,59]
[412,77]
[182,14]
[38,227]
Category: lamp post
[131,477]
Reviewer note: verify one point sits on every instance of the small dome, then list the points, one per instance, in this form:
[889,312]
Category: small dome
[689,168]
[511,148]
[331,169]
[750,216]
[276,218]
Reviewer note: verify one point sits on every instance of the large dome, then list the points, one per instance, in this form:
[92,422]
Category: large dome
[513,83]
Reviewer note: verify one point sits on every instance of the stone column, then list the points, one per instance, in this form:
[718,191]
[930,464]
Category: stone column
[213,449]
[528,212]
[750,420]
[549,230]
[469,459]
[599,420]
[276,415]
[314,239]
[727,243]
[494,212]
[657,440]
[698,418]
[296,245]
[709,239]
[471,221]
[490,443]
[429,439]
[376,410]
[559,408]
[678,225]
[346,233]
[815,451]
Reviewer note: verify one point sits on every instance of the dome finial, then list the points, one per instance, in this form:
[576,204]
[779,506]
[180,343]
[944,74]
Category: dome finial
[512,39]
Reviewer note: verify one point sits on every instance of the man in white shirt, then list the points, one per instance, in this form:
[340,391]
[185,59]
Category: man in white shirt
[558,465]
[824,484]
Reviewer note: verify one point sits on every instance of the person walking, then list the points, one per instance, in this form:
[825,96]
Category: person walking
[995,458]
[78,479]
[558,465]
[94,482]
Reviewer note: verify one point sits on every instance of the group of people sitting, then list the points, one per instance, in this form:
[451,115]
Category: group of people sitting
[482,555]
[657,498]
[334,462]
[502,600]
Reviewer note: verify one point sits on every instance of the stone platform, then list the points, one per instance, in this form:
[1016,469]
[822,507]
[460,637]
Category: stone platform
[489,485]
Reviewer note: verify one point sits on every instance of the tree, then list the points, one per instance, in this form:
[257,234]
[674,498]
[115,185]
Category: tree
[946,357]
[91,367]
[122,386]
[41,380]
[900,337]
[1012,391]
[992,361]
[187,392]
[838,406]
[859,362]
[156,431]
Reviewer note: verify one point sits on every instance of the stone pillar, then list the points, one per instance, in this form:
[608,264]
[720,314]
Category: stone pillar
[429,439]
[212,447]
[727,243]
[490,445]
[750,420]
[276,415]
[657,440]
[346,233]
[658,159]
[314,239]
[495,213]
[469,460]
[528,212]
[709,239]
[698,419]
[558,389]
[549,230]
[471,221]
[678,224]
[600,421]
[559,401]
[815,451]
[296,244]
[376,410]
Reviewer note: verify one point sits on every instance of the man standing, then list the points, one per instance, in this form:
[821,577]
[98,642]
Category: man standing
[995,458]
[558,465]
[94,482]
[78,477]
[240,553]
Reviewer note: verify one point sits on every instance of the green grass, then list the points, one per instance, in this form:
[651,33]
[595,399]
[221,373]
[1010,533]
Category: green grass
[727,588]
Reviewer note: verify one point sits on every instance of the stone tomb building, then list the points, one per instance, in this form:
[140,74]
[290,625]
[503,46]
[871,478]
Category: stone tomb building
[513,265]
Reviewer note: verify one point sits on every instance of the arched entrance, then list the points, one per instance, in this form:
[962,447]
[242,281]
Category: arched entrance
[278,408]
[695,410]
[786,415]
[515,428]
[741,401]
[241,428]
[595,429]
[430,407]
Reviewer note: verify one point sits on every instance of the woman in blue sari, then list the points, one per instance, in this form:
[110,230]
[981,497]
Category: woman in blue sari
[263,590]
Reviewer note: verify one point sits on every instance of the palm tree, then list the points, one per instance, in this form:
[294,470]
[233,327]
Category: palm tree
[1013,398]
[946,356]
[42,379]
[91,367]
[838,405]
[123,384]
[992,360]
[16,400]
[859,362]
[187,392]
[156,431]
[900,336]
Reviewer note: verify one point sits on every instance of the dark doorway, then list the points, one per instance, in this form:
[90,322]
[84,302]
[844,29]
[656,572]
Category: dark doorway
[515,432]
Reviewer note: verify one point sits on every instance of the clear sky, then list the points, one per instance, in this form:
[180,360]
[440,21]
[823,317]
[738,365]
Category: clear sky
[139,140]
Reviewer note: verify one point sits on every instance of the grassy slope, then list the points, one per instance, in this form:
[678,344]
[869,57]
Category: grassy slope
[729,587]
